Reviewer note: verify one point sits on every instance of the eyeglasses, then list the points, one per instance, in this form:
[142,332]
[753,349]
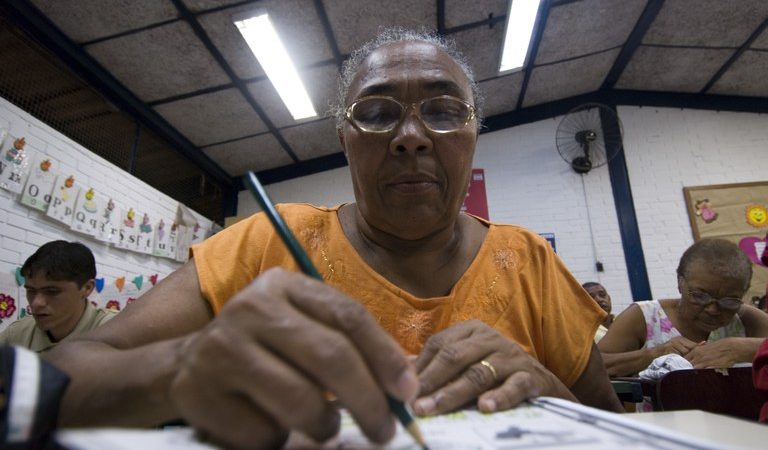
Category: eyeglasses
[704,299]
[381,114]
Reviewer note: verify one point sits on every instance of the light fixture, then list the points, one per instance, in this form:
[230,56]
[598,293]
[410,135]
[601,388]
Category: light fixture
[520,19]
[262,38]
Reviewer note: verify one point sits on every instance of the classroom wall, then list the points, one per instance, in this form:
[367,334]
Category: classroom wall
[23,230]
[529,184]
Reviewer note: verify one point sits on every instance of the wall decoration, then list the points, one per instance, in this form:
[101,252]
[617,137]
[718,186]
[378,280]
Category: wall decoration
[738,213]
[120,283]
[153,279]
[145,237]
[165,239]
[42,177]
[9,299]
[129,231]
[108,226]
[757,216]
[14,165]
[62,206]
[20,280]
[87,207]
[99,284]
[138,281]
[476,201]
[183,241]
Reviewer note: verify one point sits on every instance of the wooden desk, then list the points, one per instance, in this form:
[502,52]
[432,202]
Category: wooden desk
[723,430]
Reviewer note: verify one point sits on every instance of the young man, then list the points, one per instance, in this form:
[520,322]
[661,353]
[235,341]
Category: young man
[59,276]
[600,295]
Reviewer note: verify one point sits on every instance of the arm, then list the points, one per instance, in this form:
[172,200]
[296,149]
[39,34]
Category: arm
[622,347]
[132,357]
[729,351]
[593,388]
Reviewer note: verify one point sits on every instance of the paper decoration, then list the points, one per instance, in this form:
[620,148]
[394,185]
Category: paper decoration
[129,230]
[40,182]
[118,299]
[757,216]
[10,306]
[62,206]
[120,283]
[138,280]
[20,280]
[198,234]
[14,166]
[754,247]
[113,304]
[108,228]
[183,240]
[165,239]
[145,236]
[87,209]
[99,284]
[153,279]
[705,210]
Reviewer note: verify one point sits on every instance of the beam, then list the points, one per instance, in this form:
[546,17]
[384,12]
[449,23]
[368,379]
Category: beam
[533,50]
[744,47]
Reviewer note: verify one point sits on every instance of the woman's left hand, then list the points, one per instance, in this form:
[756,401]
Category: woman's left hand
[717,354]
[473,361]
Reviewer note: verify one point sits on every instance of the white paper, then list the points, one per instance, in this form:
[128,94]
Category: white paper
[14,166]
[40,182]
[62,206]
[87,208]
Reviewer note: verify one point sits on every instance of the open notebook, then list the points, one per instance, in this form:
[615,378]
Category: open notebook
[544,423]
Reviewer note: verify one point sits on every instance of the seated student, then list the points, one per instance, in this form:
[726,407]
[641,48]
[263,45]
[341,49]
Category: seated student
[709,325]
[244,347]
[600,295]
[59,277]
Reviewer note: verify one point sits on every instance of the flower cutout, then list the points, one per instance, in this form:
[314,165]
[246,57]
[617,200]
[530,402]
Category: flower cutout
[7,306]
[113,305]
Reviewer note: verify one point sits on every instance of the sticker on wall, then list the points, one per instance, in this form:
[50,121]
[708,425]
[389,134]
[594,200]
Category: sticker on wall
[62,207]
[153,279]
[40,183]
[705,210]
[14,165]
[108,226]
[757,216]
[87,209]
[138,281]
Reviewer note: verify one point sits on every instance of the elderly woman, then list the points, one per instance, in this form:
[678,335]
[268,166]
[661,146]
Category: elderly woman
[709,325]
[244,348]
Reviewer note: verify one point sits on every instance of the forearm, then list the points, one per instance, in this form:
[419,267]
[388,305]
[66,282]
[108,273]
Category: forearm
[117,387]
[628,363]
[746,348]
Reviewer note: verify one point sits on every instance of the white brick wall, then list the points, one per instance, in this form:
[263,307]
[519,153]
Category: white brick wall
[529,184]
[667,149]
[23,230]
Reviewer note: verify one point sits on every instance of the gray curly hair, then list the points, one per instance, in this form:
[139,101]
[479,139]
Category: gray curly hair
[391,35]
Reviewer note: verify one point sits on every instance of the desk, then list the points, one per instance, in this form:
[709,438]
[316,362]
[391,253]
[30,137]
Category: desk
[723,430]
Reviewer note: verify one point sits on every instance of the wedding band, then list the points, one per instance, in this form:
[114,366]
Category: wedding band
[491,368]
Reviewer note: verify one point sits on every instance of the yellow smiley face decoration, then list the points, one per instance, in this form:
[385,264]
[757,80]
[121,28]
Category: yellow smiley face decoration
[757,216]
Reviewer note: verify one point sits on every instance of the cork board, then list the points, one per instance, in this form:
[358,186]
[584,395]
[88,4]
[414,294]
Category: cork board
[738,213]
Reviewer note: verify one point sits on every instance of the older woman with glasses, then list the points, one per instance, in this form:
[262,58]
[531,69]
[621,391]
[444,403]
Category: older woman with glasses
[245,348]
[709,324]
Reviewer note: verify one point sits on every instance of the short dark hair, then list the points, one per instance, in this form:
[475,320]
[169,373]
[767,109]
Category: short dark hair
[62,261]
[589,284]
[719,256]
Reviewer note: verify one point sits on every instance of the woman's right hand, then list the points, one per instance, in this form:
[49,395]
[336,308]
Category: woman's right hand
[677,345]
[264,365]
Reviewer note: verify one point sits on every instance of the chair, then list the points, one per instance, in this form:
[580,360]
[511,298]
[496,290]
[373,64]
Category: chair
[721,391]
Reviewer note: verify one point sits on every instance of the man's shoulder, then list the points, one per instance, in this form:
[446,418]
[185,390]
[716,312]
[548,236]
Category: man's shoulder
[17,330]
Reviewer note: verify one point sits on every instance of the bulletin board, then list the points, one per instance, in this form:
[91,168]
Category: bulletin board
[738,213]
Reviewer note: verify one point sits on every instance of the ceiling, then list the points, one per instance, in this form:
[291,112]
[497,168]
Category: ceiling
[181,68]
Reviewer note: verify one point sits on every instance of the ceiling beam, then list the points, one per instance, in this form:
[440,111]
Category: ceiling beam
[533,49]
[634,40]
[329,36]
[190,18]
[32,22]
[744,47]
[441,17]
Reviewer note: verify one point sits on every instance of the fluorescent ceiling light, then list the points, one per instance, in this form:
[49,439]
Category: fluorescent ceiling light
[520,20]
[262,38]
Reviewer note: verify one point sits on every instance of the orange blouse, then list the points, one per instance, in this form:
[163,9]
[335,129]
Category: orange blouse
[516,284]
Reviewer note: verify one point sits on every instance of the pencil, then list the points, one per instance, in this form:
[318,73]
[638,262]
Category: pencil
[305,264]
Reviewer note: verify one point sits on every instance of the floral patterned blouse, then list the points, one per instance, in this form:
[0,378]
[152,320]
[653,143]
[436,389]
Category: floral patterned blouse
[659,328]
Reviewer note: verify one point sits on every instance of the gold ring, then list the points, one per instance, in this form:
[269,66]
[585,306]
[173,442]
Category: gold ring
[491,368]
